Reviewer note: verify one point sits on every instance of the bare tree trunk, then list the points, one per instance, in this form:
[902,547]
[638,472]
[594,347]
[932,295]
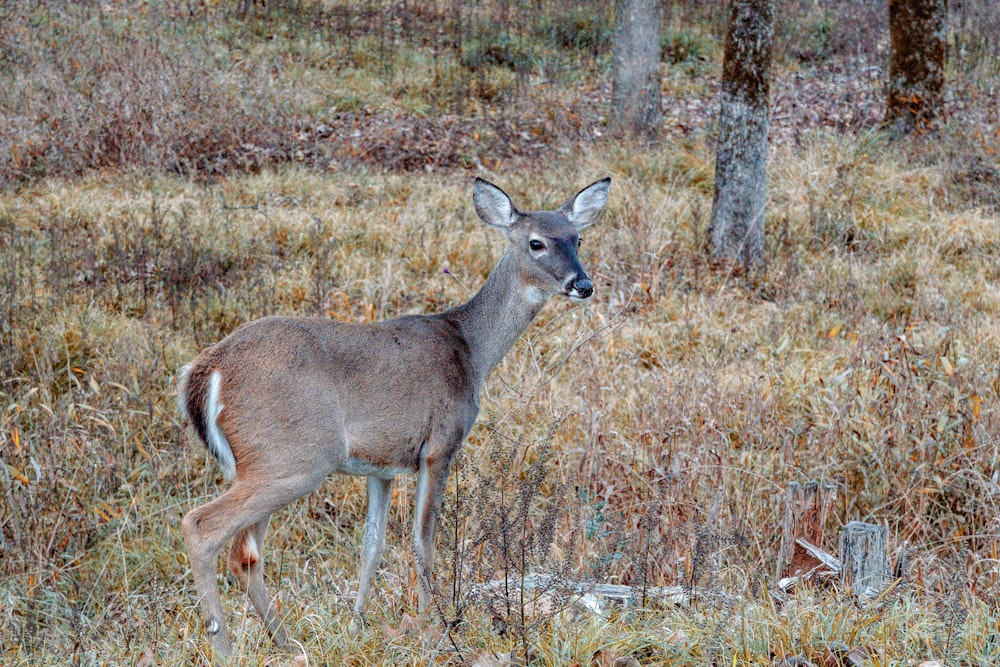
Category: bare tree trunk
[917,33]
[737,228]
[635,96]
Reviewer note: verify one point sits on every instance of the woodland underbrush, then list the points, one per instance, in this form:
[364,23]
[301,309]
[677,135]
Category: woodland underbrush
[283,164]
[643,440]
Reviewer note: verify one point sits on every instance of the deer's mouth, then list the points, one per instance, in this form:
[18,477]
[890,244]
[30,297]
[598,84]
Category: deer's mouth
[579,289]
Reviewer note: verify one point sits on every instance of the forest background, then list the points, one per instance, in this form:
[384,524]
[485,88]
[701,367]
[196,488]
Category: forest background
[173,169]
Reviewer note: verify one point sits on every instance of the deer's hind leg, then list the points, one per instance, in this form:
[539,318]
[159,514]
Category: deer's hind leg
[246,562]
[210,526]
[372,546]
[206,530]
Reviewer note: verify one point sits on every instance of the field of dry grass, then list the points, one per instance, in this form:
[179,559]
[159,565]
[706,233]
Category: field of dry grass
[655,428]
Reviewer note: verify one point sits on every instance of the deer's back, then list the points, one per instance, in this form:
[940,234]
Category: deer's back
[371,393]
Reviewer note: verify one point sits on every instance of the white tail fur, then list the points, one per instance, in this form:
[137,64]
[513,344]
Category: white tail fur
[217,442]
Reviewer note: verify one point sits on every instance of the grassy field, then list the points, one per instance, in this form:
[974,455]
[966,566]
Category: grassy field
[172,171]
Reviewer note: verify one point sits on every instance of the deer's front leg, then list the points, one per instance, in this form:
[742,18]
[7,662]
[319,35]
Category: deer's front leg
[431,480]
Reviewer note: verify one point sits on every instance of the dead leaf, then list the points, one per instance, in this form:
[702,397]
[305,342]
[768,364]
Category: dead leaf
[678,636]
[794,661]
[300,660]
[601,658]
[626,661]
[409,623]
[147,659]
[858,657]
[486,660]
[391,632]
[947,366]
[840,655]
[421,627]
[836,653]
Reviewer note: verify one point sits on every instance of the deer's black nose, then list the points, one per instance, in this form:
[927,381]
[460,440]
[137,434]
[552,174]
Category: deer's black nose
[583,287]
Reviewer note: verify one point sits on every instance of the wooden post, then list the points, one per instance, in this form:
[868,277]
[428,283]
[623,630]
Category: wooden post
[807,507]
[865,558]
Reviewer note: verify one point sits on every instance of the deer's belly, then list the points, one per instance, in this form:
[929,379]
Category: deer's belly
[355,466]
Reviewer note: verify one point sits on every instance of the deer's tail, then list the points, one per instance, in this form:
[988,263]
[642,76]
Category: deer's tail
[199,402]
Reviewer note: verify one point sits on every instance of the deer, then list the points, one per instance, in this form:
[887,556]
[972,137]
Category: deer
[283,402]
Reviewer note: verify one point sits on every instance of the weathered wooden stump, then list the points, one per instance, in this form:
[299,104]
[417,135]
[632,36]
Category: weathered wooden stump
[807,507]
[865,559]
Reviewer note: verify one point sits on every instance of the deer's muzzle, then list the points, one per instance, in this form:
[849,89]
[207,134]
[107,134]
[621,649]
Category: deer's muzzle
[581,287]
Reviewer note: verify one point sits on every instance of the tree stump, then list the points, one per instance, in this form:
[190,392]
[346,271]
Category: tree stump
[865,559]
[807,507]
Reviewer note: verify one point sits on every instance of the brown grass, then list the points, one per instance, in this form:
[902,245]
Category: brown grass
[686,396]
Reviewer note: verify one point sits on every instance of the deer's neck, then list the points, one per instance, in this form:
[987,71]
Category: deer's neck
[496,316]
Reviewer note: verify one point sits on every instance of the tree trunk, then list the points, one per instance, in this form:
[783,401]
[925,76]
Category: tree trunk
[917,32]
[737,228]
[635,96]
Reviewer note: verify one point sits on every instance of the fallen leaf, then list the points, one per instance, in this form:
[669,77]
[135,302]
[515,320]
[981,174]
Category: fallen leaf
[836,653]
[420,626]
[947,366]
[858,657]
[409,623]
[300,660]
[794,661]
[676,637]
[626,661]
[840,655]
[601,658]
[486,660]
[147,659]
[391,632]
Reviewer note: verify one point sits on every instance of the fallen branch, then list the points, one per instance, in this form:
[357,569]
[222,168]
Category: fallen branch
[594,597]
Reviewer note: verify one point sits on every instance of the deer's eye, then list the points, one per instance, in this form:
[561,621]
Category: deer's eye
[578,242]
[535,244]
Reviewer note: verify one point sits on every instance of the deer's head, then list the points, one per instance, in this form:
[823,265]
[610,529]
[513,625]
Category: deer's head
[544,244]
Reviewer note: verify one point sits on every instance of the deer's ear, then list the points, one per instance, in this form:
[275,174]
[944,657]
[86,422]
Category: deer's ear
[585,207]
[493,205]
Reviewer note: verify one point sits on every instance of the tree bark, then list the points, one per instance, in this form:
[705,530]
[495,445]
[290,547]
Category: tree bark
[737,228]
[865,559]
[917,33]
[807,507]
[635,96]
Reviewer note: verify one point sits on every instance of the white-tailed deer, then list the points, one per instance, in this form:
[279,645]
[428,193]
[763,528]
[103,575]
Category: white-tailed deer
[282,402]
